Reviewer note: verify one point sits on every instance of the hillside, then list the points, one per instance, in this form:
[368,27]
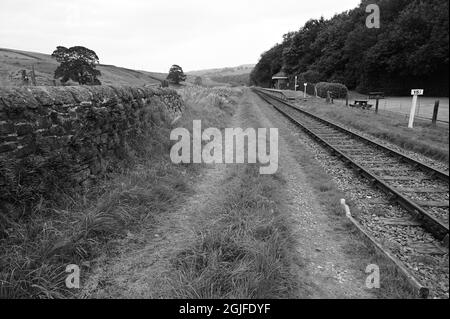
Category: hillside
[236,76]
[13,61]
[241,69]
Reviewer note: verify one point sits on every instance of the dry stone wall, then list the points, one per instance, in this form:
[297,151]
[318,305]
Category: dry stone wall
[72,133]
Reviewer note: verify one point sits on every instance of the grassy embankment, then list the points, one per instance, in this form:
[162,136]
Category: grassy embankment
[74,228]
[425,138]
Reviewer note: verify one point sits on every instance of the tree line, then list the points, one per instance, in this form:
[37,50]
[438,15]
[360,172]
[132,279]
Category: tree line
[409,50]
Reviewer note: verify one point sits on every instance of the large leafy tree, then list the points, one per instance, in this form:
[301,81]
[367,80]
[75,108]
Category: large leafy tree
[77,64]
[269,64]
[176,74]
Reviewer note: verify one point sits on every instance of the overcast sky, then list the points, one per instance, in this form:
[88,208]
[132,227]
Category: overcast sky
[154,34]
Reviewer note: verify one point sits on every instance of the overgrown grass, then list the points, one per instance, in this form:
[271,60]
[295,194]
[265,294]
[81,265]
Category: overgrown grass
[244,248]
[429,140]
[36,247]
[212,105]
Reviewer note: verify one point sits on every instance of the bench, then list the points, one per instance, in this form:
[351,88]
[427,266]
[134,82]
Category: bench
[361,104]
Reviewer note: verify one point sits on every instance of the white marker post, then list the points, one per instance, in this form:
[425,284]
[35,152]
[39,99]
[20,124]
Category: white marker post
[295,89]
[415,93]
[304,92]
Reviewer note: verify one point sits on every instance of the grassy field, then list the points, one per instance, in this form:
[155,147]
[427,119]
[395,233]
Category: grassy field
[424,138]
[13,61]
[234,76]
[425,105]
[400,105]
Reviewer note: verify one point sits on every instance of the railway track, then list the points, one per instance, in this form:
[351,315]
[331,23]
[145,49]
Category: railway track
[420,190]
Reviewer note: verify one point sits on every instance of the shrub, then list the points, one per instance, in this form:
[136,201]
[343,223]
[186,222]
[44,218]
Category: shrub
[310,77]
[338,90]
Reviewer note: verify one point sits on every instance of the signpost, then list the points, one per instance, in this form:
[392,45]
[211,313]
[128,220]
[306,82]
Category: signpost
[377,96]
[296,85]
[415,93]
[33,76]
[435,112]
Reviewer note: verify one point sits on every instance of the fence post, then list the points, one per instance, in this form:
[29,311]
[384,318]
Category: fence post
[33,75]
[435,112]
[376,106]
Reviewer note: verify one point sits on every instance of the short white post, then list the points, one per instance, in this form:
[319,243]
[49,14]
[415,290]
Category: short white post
[295,89]
[415,94]
[304,92]
[413,111]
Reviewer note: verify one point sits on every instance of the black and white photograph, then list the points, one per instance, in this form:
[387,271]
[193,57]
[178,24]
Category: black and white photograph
[224,159]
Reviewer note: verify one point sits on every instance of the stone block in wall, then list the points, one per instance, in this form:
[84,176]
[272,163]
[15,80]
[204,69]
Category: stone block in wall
[43,122]
[16,100]
[24,128]
[102,94]
[42,95]
[123,92]
[7,128]
[79,93]
[60,95]
[9,138]
[8,146]
[25,150]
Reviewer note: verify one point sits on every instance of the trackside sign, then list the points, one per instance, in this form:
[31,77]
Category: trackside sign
[417,92]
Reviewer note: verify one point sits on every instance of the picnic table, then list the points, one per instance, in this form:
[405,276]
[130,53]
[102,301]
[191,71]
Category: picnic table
[362,104]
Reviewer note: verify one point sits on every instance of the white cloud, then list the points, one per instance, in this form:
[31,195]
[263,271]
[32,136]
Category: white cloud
[153,34]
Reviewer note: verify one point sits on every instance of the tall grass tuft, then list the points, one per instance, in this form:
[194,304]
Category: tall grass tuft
[243,251]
